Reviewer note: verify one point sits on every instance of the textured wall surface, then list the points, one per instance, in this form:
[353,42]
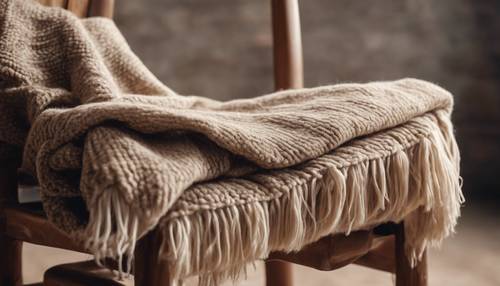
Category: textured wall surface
[222,49]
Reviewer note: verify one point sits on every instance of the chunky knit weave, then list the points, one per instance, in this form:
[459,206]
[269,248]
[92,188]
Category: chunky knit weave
[117,153]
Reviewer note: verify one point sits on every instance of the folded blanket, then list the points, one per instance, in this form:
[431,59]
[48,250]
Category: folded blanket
[117,153]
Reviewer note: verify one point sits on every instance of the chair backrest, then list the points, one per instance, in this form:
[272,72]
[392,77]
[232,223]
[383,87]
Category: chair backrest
[287,45]
[84,8]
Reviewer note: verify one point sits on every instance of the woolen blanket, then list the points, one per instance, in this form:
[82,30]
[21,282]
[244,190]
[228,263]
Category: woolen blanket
[117,153]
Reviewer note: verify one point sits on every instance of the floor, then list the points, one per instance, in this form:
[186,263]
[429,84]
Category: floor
[471,257]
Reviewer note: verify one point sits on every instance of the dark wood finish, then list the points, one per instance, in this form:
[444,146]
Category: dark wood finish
[79,7]
[84,273]
[26,223]
[10,261]
[101,8]
[8,181]
[330,252]
[405,274]
[10,249]
[53,3]
[381,256]
[279,273]
[149,270]
[287,44]
[84,8]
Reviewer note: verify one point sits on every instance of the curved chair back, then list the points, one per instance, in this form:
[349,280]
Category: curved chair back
[84,8]
[287,45]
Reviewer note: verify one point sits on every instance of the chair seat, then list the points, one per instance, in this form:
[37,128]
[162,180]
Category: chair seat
[27,222]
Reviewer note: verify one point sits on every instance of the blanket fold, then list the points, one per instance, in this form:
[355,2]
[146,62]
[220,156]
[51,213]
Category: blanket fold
[117,153]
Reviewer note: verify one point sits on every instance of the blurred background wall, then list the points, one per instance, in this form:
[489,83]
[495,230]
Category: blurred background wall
[222,49]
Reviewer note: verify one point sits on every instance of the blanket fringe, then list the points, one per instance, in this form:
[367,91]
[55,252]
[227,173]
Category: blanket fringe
[337,201]
[112,231]
[217,243]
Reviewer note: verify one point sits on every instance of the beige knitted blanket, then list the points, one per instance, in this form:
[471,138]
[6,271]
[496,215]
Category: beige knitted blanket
[117,153]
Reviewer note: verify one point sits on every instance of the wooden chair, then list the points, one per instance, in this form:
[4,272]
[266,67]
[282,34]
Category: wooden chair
[380,248]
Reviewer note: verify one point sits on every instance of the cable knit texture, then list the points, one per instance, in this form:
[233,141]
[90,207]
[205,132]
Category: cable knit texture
[117,153]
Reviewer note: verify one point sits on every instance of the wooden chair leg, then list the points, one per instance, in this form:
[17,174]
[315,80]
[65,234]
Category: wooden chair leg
[279,273]
[10,262]
[148,269]
[405,274]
